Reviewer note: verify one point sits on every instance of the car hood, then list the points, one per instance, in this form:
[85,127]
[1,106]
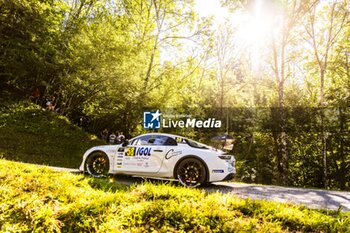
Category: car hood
[106,147]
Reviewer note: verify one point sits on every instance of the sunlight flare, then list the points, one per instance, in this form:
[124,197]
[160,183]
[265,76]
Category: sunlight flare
[254,31]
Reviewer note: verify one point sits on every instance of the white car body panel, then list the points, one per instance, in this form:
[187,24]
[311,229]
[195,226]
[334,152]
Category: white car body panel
[159,161]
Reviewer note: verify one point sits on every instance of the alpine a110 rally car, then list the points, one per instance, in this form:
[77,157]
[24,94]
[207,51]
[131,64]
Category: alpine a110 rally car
[161,155]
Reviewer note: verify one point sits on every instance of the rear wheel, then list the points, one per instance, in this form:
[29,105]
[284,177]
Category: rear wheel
[97,164]
[191,172]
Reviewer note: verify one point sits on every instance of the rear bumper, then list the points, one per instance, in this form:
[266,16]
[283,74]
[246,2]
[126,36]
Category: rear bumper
[229,177]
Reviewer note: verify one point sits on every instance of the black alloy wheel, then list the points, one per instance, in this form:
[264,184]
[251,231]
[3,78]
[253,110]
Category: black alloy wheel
[97,164]
[191,172]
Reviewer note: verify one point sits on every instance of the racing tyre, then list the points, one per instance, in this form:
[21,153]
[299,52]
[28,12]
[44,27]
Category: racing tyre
[191,172]
[97,164]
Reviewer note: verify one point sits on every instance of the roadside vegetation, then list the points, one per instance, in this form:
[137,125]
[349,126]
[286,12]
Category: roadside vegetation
[31,134]
[41,200]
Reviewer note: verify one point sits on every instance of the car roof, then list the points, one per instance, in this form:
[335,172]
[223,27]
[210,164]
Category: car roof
[163,134]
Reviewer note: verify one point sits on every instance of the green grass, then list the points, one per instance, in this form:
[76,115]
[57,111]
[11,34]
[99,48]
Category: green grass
[30,134]
[37,199]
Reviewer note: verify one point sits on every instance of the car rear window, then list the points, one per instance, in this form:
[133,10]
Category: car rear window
[196,144]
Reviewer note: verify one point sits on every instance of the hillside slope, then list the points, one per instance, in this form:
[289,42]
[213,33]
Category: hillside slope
[31,134]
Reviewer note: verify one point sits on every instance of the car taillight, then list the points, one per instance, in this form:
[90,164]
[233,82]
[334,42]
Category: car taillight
[229,158]
[233,162]
[225,157]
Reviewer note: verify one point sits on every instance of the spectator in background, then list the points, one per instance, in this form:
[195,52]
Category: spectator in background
[112,138]
[117,141]
[35,96]
[50,104]
[104,134]
[53,104]
[81,121]
[121,137]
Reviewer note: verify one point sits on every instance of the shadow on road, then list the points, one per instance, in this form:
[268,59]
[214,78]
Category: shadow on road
[312,198]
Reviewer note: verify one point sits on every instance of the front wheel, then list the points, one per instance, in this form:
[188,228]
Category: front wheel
[191,172]
[97,164]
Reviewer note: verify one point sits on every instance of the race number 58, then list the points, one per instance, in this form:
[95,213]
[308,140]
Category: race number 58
[130,151]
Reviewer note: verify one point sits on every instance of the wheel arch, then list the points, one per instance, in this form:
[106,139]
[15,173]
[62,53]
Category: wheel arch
[193,157]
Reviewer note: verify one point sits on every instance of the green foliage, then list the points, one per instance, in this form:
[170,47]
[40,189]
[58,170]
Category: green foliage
[110,60]
[39,199]
[31,134]
[29,41]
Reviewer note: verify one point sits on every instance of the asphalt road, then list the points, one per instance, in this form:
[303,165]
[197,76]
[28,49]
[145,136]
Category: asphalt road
[312,198]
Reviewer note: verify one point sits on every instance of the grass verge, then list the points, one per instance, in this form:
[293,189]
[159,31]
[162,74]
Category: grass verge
[41,200]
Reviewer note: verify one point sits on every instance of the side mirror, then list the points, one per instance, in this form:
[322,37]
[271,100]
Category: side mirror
[125,143]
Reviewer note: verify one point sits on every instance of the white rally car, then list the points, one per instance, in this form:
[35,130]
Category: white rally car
[161,155]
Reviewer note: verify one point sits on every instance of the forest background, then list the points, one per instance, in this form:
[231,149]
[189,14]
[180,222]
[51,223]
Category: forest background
[277,73]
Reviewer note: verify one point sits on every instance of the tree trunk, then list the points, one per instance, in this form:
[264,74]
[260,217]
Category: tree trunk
[282,154]
[284,160]
[342,170]
[324,133]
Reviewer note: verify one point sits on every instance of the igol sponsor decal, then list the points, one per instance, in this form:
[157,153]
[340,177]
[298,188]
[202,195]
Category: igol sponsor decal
[141,151]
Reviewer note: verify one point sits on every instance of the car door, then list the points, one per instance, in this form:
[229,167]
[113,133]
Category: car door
[145,154]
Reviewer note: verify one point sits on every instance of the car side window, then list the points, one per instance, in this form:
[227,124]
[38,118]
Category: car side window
[159,140]
[162,140]
[180,140]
